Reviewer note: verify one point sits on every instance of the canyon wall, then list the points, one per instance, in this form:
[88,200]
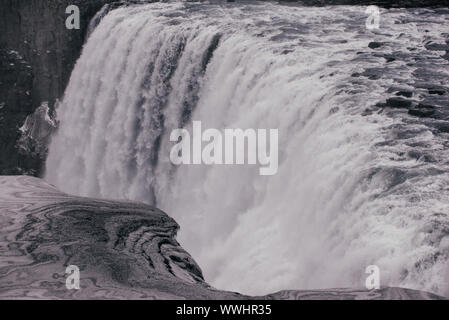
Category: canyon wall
[37,55]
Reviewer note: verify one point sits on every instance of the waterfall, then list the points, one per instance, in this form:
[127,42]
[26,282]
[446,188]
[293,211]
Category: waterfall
[348,192]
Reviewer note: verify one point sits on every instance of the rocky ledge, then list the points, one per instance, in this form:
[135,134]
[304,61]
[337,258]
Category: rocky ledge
[124,250]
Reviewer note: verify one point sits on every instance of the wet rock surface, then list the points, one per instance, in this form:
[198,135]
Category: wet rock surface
[417,75]
[36,133]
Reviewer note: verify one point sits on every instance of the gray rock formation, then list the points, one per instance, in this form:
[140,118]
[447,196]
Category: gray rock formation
[124,250]
[36,132]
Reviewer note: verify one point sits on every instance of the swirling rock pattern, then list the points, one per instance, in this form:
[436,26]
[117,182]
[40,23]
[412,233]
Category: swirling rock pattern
[125,250]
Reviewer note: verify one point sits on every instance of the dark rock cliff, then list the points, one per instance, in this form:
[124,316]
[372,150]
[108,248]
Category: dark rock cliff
[37,55]
[16,83]
[36,29]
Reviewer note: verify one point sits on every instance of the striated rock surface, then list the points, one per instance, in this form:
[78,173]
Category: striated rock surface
[125,250]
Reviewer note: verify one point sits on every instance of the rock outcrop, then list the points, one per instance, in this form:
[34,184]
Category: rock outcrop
[36,133]
[124,250]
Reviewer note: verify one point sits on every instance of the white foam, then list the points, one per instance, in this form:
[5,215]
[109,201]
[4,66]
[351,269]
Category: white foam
[328,213]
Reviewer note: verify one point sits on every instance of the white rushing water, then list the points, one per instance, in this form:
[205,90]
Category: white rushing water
[348,192]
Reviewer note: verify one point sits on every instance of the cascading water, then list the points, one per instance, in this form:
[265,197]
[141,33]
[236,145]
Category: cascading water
[357,184]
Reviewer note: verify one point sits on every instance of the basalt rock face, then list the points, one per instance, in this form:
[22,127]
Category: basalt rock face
[16,83]
[124,250]
[36,29]
[37,55]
